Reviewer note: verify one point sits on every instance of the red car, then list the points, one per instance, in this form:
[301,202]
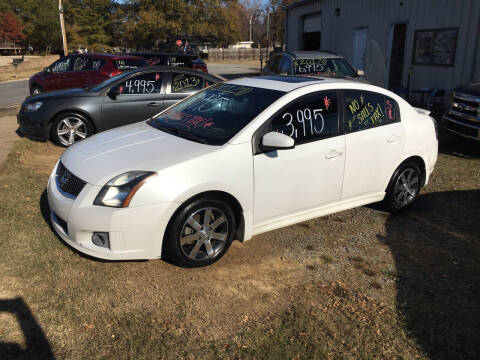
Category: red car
[81,70]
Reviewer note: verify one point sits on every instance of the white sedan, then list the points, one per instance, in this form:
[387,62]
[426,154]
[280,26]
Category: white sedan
[238,159]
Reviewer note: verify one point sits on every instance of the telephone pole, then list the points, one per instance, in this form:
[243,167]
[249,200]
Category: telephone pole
[62,25]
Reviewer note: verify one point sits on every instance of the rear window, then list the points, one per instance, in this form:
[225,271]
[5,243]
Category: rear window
[330,67]
[126,64]
[179,60]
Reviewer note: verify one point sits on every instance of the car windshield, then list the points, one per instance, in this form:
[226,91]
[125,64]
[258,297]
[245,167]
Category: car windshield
[214,115]
[107,82]
[330,67]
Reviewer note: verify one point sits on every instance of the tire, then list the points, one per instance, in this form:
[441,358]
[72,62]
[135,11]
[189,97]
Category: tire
[71,127]
[404,187]
[36,89]
[191,241]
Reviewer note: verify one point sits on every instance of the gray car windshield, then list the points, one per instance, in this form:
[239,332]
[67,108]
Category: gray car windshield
[214,115]
[330,67]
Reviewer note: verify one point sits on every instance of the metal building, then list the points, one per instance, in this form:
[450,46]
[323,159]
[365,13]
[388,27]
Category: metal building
[400,44]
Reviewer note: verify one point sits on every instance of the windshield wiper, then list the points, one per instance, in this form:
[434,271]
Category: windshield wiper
[181,133]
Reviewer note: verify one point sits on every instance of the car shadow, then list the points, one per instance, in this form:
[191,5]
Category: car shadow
[37,345]
[45,211]
[436,248]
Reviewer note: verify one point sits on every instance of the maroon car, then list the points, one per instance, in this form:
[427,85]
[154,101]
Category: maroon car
[81,70]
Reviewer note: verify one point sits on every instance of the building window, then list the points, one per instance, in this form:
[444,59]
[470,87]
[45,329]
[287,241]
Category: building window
[435,47]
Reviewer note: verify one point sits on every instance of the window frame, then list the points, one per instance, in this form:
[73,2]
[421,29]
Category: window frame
[398,118]
[266,126]
[415,38]
[162,86]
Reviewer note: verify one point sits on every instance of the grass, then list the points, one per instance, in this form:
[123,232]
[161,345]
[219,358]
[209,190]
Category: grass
[263,300]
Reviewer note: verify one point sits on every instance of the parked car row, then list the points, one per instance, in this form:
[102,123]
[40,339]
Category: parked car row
[207,161]
[80,70]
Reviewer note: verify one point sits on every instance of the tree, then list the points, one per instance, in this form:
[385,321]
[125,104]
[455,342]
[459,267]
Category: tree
[11,29]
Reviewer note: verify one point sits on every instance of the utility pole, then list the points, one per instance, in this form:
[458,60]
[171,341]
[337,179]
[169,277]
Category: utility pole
[251,16]
[62,25]
[268,27]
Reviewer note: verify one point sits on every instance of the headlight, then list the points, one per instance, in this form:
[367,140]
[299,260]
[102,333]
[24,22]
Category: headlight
[118,192]
[33,106]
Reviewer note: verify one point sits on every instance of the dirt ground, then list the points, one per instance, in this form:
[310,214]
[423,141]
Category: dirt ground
[362,283]
[30,66]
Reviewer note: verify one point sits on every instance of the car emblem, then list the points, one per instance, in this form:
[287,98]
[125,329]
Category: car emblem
[63,179]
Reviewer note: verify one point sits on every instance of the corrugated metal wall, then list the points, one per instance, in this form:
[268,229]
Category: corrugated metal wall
[378,16]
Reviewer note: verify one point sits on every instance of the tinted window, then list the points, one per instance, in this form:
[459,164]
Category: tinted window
[61,65]
[179,60]
[125,64]
[364,110]
[275,64]
[149,83]
[284,66]
[311,117]
[331,67]
[214,115]
[82,63]
[185,83]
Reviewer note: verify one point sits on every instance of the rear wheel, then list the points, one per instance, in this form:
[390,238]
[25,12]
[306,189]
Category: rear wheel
[69,128]
[404,187]
[200,233]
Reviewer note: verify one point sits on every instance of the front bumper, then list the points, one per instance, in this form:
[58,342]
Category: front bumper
[32,126]
[134,232]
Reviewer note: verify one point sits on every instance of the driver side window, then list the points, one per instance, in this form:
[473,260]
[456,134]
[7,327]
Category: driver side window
[62,65]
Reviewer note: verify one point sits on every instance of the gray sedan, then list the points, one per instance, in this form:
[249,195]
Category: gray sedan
[71,115]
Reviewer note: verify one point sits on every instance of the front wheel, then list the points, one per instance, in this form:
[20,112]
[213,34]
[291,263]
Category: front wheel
[200,233]
[404,187]
[35,90]
[69,128]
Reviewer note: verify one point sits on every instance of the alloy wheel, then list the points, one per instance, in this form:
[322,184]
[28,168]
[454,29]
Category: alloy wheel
[406,187]
[70,129]
[204,234]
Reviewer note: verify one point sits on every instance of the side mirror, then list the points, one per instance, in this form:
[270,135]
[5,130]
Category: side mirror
[113,92]
[359,72]
[276,141]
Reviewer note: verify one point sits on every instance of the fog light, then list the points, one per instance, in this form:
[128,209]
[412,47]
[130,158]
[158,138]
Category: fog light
[101,239]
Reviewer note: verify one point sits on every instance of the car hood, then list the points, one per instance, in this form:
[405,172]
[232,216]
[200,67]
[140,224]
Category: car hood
[139,146]
[472,88]
[57,94]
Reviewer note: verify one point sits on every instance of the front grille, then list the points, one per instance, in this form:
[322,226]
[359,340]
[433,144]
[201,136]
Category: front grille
[464,120]
[462,129]
[68,183]
[465,105]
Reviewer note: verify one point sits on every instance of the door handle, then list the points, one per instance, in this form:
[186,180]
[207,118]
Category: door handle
[333,154]
[154,104]
[393,139]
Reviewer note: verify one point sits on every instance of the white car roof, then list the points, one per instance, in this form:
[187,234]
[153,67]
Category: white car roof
[286,83]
